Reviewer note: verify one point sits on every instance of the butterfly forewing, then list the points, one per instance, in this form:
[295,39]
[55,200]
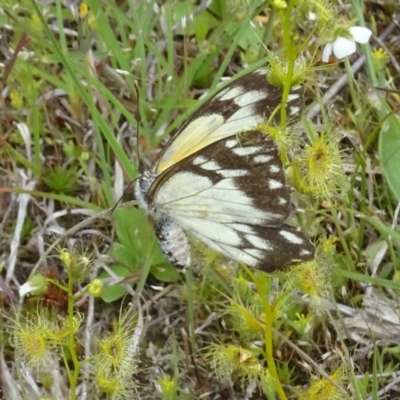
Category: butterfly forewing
[241,106]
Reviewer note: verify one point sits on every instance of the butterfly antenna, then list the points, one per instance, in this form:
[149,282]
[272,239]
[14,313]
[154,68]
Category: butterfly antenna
[139,166]
[138,157]
[112,209]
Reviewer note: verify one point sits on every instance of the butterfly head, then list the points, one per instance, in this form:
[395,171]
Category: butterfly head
[143,185]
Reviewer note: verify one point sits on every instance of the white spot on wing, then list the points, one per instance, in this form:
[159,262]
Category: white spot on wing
[261,71]
[258,242]
[199,160]
[242,112]
[282,201]
[305,252]
[231,143]
[246,151]
[221,93]
[211,166]
[274,184]
[262,158]
[256,253]
[250,97]
[292,97]
[232,127]
[291,237]
[231,93]
[294,110]
[274,169]
[232,173]
[242,228]
[228,184]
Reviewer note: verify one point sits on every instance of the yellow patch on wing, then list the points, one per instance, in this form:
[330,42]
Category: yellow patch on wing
[196,136]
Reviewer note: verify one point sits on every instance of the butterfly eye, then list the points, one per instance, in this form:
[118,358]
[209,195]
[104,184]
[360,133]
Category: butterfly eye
[145,181]
[144,185]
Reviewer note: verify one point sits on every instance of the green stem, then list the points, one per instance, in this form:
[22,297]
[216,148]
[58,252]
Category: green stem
[77,296]
[268,28]
[58,284]
[342,239]
[291,59]
[67,368]
[71,343]
[350,78]
[261,283]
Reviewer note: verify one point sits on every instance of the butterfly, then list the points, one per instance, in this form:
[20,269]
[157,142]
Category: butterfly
[221,179]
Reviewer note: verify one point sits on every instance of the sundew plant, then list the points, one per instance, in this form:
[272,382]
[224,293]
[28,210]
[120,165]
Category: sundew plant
[90,308]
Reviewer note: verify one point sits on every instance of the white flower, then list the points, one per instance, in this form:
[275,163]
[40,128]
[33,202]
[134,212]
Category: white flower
[343,47]
[26,288]
[312,16]
[37,285]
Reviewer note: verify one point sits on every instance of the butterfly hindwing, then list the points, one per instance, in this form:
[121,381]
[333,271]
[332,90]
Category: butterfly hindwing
[238,179]
[263,247]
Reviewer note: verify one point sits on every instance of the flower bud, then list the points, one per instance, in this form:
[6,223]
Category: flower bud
[95,287]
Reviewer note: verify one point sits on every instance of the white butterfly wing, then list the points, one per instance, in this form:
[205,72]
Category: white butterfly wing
[235,179]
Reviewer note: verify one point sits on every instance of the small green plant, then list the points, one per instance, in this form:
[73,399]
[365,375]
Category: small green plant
[62,179]
[134,251]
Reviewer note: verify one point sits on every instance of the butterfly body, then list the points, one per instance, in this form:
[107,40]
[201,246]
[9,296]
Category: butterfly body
[222,180]
[172,239]
[173,242]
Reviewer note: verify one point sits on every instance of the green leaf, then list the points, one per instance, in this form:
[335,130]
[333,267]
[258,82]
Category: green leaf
[389,153]
[182,10]
[114,292]
[202,25]
[137,240]
[165,272]
[221,8]
[371,280]
[372,250]
[249,40]
[138,245]
[125,256]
